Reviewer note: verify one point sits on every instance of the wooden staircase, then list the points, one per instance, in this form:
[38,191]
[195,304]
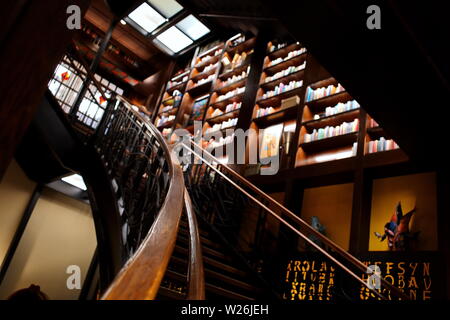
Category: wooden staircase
[225,276]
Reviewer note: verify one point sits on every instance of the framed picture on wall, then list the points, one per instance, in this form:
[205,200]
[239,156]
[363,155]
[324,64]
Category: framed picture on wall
[270,141]
[198,109]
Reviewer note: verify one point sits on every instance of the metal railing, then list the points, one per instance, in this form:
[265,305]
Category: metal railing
[219,195]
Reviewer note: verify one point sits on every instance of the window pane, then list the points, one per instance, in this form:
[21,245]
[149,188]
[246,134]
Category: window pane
[147,18]
[174,39]
[193,27]
[168,8]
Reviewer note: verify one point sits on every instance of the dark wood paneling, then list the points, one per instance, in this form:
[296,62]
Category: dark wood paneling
[31,50]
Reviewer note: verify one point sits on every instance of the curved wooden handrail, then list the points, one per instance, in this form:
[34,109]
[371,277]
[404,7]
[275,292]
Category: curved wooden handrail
[198,151]
[141,276]
[196,277]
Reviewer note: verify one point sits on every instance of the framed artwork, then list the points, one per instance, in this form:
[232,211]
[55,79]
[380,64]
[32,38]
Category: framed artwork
[270,141]
[198,109]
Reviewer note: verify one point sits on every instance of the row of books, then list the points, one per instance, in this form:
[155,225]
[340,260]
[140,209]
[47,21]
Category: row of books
[328,132]
[372,124]
[231,93]
[230,107]
[236,78]
[175,83]
[219,126]
[164,119]
[201,81]
[281,88]
[381,145]
[209,57]
[338,108]
[213,143]
[290,55]
[167,108]
[237,41]
[210,67]
[238,59]
[286,72]
[265,111]
[276,47]
[323,92]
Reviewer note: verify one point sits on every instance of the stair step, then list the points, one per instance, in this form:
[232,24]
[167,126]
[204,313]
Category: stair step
[174,275]
[225,293]
[206,252]
[204,241]
[213,263]
[185,230]
[165,293]
[230,281]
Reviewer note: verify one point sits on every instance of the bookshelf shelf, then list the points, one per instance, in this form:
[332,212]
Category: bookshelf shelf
[276,117]
[236,70]
[209,51]
[243,46]
[215,132]
[293,61]
[275,100]
[179,87]
[181,75]
[270,85]
[225,102]
[332,120]
[320,104]
[166,124]
[200,88]
[224,116]
[212,60]
[230,87]
[329,143]
[376,133]
[203,74]
[169,112]
[282,52]
[384,158]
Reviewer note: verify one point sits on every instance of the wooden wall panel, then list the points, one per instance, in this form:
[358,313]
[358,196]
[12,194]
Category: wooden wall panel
[32,46]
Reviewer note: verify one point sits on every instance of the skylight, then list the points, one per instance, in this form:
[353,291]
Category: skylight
[174,39]
[193,27]
[167,8]
[147,17]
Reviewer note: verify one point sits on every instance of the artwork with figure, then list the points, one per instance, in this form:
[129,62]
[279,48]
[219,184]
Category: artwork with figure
[397,230]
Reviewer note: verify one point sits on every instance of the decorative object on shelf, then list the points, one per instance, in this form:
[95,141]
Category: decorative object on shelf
[397,230]
[290,102]
[315,223]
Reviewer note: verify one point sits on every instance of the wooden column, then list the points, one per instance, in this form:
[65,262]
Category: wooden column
[33,39]
[362,192]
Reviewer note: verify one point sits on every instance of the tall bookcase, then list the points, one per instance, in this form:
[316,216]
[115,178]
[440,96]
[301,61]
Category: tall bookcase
[300,113]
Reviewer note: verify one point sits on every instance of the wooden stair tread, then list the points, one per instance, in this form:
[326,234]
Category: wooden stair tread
[230,281]
[225,293]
